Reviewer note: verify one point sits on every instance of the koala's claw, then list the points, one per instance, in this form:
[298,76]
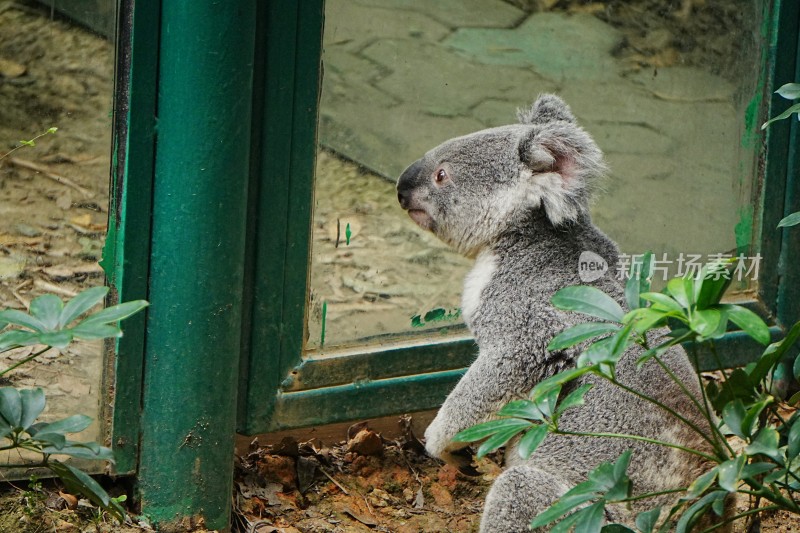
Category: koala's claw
[462,459]
[469,470]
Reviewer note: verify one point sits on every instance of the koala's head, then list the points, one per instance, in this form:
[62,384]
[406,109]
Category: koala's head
[471,189]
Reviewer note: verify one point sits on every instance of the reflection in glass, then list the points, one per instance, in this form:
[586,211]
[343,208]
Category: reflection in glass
[664,88]
[55,73]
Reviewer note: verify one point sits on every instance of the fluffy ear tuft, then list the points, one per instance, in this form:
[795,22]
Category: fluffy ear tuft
[546,108]
[561,166]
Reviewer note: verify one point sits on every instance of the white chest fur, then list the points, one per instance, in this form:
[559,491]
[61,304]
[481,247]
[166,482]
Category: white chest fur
[474,283]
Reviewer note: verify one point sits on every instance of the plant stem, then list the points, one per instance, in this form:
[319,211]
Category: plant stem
[695,401]
[668,409]
[651,495]
[639,438]
[707,409]
[26,143]
[718,438]
[20,363]
[741,515]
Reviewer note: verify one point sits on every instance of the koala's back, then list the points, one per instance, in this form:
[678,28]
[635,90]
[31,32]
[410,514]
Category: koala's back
[514,316]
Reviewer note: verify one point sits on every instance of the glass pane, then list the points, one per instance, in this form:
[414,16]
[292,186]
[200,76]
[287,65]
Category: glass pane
[55,72]
[665,88]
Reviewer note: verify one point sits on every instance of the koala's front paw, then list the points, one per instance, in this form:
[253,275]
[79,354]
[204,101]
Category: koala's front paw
[439,444]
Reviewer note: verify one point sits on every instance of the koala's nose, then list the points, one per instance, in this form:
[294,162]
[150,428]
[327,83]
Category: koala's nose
[405,184]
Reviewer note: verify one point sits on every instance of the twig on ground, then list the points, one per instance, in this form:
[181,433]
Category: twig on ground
[341,487]
[44,171]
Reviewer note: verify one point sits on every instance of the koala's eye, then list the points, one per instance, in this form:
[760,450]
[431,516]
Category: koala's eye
[441,175]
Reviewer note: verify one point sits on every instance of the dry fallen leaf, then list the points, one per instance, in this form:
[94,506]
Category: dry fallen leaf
[72,501]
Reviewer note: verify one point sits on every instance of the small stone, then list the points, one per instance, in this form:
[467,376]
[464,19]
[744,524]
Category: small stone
[366,442]
[278,469]
[26,230]
[11,69]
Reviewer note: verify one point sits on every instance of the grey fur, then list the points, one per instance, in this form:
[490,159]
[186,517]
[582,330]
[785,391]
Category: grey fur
[516,198]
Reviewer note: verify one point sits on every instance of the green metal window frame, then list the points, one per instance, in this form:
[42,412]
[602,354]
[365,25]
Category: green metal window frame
[209,96]
[282,390]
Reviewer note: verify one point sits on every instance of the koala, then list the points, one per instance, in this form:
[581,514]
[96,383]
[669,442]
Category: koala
[516,199]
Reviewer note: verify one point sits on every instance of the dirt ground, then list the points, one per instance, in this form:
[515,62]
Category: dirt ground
[53,212]
[359,484]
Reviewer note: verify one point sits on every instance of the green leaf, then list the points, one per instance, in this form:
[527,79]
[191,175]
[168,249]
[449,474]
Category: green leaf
[47,309]
[701,484]
[565,524]
[695,511]
[112,315]
[78,482]
[793,445]
[576,497]
[95,331]
[499,439]
[51,441]
[486,429]
[755,469]
[786,114]
[663,302]
[531,440]
[11,406]
[774,353]
[71,424]
[17,338]
[790,220]
[80,304]
[596,353]
[616,528]
[547,401]
[591,519]
[638,280]
[32,404]
[18,318]
[705,321]
[749,322]
[733,414]
[712,281]
[750,420]
[790,91]
[766,443]
[682,290]
[573,399]
[646,520]
[646,318]
[621,465]
[557,380]
[522,409]
[738,386]
[729,473]
[56,339]
[589,301]
[581,332]
[608,350]
[5,428]
[83,450]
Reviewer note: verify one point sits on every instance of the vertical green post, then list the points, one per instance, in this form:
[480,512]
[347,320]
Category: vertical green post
[197,260]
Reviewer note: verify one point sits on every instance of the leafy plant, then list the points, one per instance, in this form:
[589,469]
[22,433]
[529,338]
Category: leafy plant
[28,143]
[766,468]
[789,91]
[54,324]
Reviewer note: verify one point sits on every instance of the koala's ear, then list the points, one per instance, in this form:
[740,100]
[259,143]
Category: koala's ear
[546,108]
[560,166]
